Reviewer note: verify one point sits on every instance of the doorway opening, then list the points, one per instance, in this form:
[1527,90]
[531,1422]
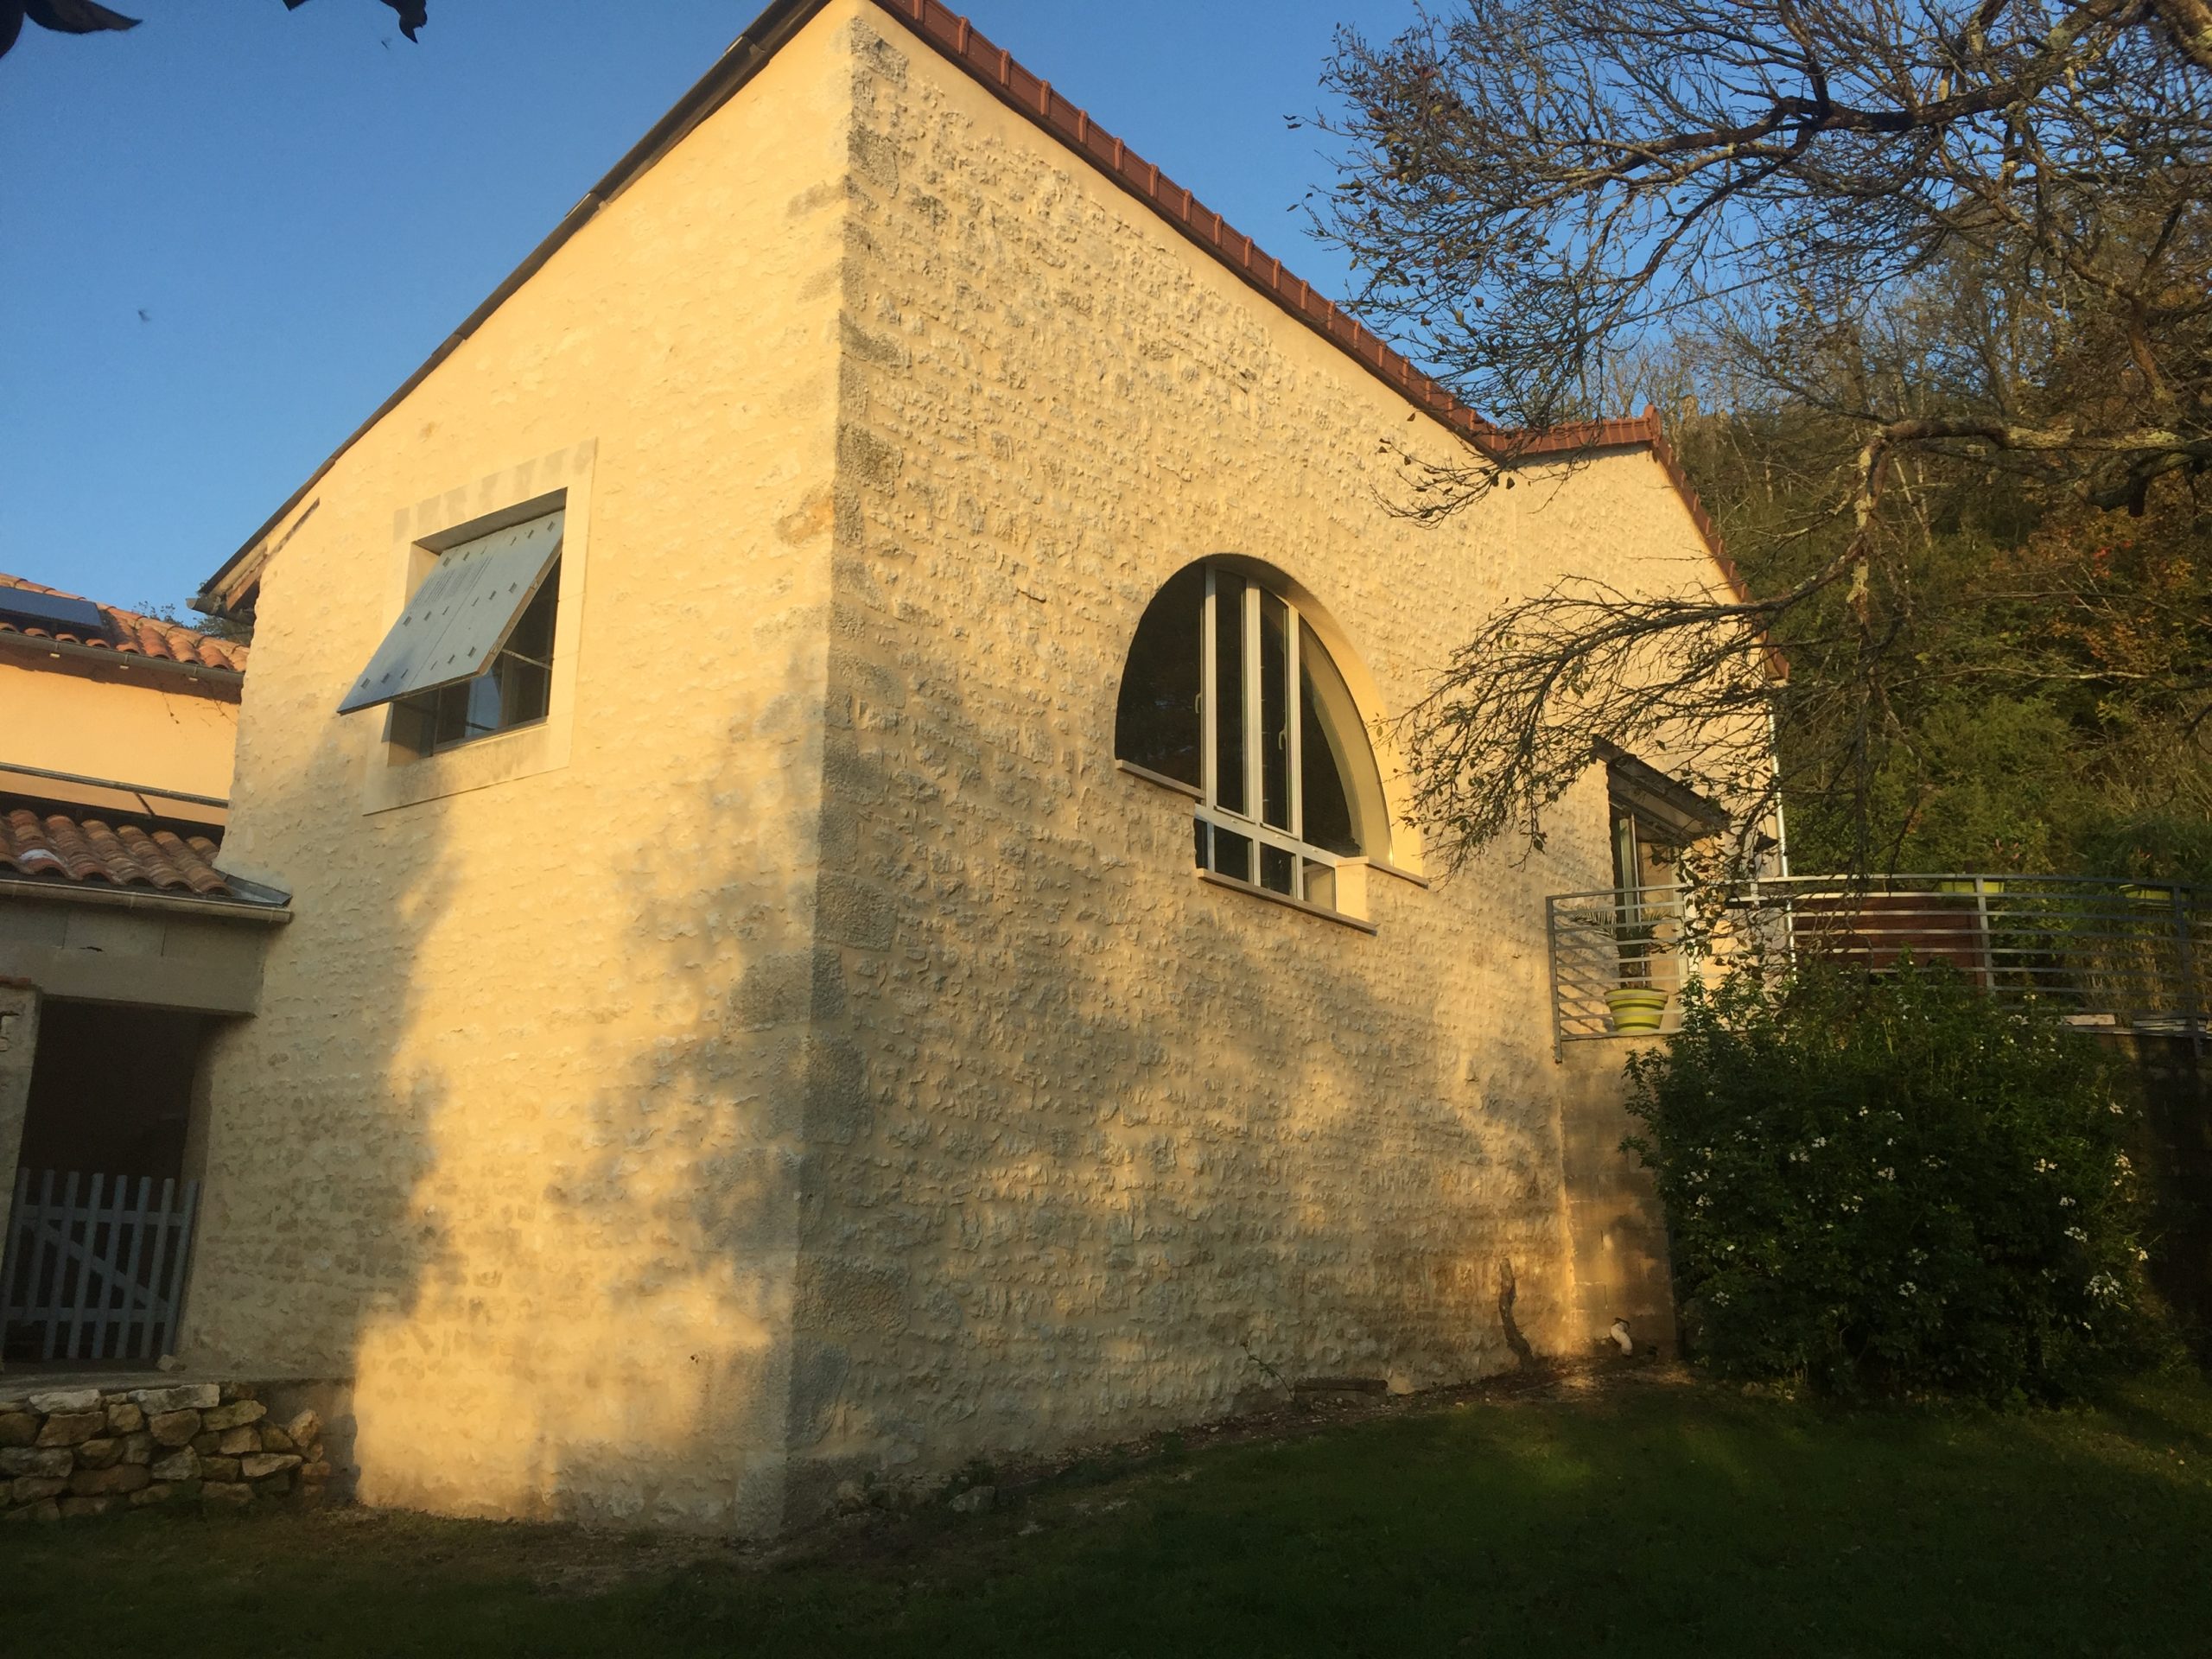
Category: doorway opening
[99,1229]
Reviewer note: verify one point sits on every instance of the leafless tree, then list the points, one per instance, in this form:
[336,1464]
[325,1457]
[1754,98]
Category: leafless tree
[1952,240]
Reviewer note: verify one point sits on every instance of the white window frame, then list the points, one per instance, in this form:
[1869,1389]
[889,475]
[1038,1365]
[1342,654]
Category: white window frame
[1255,827]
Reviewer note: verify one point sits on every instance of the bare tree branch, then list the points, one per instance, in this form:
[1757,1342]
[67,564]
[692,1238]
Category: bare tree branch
[1956,245]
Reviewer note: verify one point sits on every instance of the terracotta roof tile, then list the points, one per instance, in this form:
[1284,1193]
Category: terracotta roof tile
[73,846]
[131,634]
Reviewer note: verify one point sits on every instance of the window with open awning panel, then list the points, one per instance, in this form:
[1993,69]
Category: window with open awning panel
[471,654]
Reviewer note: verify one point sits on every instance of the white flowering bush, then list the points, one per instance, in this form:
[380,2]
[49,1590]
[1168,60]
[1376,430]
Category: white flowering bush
[1891,1183]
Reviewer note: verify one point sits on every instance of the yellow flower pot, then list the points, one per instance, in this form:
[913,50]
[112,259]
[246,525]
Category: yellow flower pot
[1636,1008]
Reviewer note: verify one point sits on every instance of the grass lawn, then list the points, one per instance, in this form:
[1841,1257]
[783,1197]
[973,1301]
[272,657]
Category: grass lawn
[1650,1516]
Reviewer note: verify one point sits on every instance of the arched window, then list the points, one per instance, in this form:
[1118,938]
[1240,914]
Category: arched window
[1228,691]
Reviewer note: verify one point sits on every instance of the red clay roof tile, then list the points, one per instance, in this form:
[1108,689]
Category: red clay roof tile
[73,846]
[131,634]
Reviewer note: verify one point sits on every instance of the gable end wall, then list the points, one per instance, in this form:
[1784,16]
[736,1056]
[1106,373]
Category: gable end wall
[1115,1149]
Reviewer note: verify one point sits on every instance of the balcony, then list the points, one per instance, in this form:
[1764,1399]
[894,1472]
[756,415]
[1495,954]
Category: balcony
[2110,956]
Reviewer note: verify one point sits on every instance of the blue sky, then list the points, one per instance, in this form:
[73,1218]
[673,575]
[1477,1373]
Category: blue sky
[227,236]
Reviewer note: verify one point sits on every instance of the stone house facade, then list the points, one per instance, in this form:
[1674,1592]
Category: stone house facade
[762,1031]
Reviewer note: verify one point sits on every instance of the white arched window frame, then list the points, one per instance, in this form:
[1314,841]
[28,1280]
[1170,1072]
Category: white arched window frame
[1271,816]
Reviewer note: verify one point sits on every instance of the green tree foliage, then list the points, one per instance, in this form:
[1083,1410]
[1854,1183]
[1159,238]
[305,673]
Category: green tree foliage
[2042,700]
[1895,1184]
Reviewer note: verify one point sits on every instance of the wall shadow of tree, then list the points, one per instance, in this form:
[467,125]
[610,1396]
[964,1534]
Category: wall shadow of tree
[891,1094]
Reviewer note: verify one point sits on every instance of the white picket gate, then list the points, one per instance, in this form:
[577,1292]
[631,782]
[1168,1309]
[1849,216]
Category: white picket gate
[102,1279]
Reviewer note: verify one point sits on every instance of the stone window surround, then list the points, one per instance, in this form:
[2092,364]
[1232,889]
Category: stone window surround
[394,775]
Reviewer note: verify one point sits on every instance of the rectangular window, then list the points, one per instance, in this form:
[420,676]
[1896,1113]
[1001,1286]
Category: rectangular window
[515,691]
[471,654]
[1232,853]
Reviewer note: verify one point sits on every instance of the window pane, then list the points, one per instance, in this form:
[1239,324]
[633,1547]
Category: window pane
[525,689]
[484,700]
[1228,691]
[1344,812]
[415,724]
[1625,863]
[515,690]
[453,713]
[1278,870]
[1275,710]
[1232,853]
[1156,726]
[459,619]
[1633,932]
[533,635]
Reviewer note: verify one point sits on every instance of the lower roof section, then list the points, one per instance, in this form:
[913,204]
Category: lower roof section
[69,852]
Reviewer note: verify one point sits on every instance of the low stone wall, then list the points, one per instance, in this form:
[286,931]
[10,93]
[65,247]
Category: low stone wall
[82,1450]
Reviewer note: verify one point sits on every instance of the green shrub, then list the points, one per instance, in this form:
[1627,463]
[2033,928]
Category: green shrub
[1885,1183]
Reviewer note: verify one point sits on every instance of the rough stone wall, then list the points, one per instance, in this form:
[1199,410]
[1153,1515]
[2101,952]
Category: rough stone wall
[511,1141]
[73,1453]
[1617,1226]
[1099,1146]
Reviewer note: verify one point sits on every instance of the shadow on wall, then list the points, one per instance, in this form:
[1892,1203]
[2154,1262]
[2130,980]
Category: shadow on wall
[1041,1142]
[513,1141]
[611,1149]
[1092,1148]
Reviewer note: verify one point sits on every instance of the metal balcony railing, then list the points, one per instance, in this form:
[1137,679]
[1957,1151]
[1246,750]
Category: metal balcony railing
[2115,955]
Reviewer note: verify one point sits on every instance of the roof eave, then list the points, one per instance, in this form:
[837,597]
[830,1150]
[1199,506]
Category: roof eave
[118,897]
[226,682]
